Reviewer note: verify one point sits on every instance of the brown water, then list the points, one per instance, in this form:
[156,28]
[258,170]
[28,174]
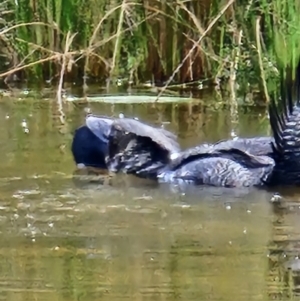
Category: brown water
[127,239]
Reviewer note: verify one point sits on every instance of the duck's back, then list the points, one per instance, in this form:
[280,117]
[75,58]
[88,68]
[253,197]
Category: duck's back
[257,146]
[223,167]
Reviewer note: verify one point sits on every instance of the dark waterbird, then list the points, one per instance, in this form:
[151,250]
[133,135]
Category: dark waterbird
[134,147]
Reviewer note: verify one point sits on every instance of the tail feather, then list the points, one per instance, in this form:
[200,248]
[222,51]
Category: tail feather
[277,125]
[285,124]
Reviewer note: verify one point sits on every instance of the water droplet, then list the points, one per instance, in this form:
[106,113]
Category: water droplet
[276,197]
[174,156]
[24,123]
[233,134]
[88,110]
[80,166]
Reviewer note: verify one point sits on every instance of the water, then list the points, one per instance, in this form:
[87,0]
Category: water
[63,238]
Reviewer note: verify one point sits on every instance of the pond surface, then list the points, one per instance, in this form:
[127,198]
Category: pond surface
[63,238]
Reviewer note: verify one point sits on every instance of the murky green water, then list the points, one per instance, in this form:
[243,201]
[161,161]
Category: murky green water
[127,239]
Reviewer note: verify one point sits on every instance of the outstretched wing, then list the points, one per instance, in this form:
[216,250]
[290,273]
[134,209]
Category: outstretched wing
[260,146]
[138,148]
[162,137]
[99,125]
[257,146]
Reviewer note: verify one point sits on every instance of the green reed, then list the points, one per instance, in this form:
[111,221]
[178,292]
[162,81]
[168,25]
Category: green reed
[145,40]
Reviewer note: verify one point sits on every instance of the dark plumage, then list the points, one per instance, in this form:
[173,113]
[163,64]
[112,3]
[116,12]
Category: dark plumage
[213,165]
[257,146]
[140,149]
[285,123]
[123,145]
[90,143]
[133,147]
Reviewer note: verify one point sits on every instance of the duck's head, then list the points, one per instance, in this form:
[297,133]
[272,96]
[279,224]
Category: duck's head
[90,142]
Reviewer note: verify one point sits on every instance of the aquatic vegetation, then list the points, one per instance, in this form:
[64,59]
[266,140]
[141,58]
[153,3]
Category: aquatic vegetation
[131,42]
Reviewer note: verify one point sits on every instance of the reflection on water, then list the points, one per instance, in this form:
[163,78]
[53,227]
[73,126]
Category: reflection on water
[63,238]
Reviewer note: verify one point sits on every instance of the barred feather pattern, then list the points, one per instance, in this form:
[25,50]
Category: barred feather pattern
[133,151]
[257,146]
[227,168]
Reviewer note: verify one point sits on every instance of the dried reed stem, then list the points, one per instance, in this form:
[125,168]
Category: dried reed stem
[260,62]
[4,31]
[93,46]
[119,30]
[69,40]
[232,79]
[209,27]
[47,59]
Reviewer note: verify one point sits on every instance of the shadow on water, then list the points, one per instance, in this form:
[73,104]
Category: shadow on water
[122,238]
